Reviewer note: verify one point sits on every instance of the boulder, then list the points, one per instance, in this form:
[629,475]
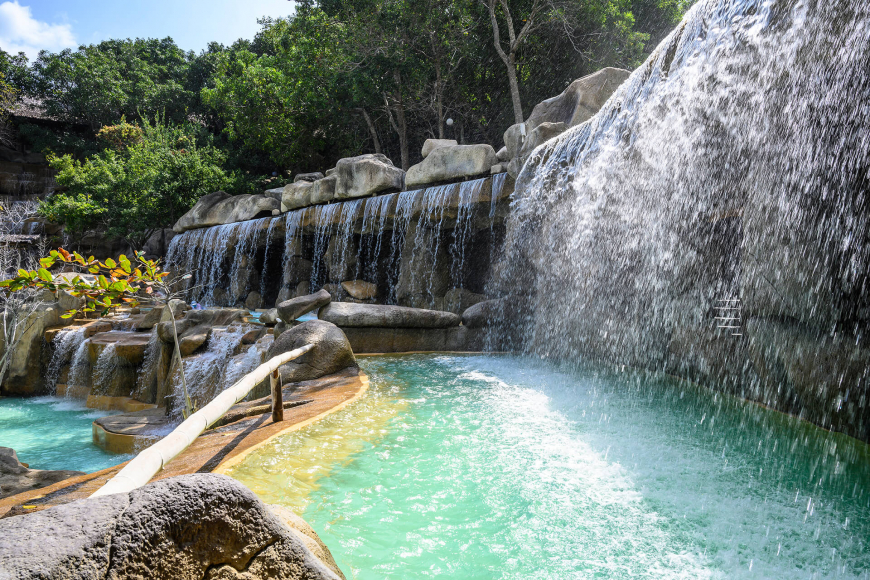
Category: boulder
[429,145]
[502,155]
[15,477]
[275,193]
[192,526]
[580,101]
[458,300]
[322,190]
[221,208]
[296,195]
[254,300]
[382,316]
[498,168]
[197,322]
[308,536]
[270,317]
[331,353]
[151,318]
[24,375]
[309,177]
[452,163]
[483,313]
[540,134]
[360,289]
[366,174]
[290,310]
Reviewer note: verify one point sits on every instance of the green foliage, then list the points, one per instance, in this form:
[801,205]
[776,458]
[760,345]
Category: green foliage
[121,136]
[137,190]
[106,285]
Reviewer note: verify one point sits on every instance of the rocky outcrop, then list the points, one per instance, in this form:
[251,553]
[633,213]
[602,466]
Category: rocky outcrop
[24,375]
[360,289]
[483,313]
[452,163]
[290,310]
[322,190]
[381,316]
[331,353]
[221,208]
[309,177]
[296,195]
[192,526]
[15,477]
[196,325]
[575,105]
[429,145]
[366,174]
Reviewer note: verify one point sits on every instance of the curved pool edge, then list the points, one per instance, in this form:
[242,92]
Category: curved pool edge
[212,451]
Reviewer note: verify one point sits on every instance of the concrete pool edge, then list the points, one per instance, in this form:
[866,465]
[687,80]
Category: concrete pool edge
[212,451]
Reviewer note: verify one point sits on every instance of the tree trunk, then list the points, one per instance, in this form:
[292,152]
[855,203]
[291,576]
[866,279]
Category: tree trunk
[372,131]
[515,88]
[403,125]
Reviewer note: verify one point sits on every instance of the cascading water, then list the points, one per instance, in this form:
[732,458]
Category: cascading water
[206,372]
[402,221]
[105,367]
[79,369]
[469,196]
[732,164]
[65,344]
[323,216]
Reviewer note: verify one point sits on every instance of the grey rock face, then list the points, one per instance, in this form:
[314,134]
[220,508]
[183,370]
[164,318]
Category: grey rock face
[270,317]
[449,163]
[15,477]
[322,190]
[221,208]
[366,174]
[296,195]
[483,313]
[429,145]
[193,526]
[379,315]
[274,193]
[331,352]
[290,310]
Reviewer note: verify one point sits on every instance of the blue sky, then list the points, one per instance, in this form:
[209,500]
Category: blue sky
[31,25]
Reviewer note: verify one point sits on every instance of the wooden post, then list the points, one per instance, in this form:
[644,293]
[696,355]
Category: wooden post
[277,397]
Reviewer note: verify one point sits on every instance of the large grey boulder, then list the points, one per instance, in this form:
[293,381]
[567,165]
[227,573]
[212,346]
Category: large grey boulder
[331,353]
[296,195]
[275,193]
[192,526]
[575,105]
[430,145]
[24,375]
[15,477]
[381,316]
[483,313]
[366,174]
[290,310]
[451,163]
[322,190]
[221,208]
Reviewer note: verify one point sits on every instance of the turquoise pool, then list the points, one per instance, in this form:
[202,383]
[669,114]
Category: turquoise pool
[53,433]
[499,467]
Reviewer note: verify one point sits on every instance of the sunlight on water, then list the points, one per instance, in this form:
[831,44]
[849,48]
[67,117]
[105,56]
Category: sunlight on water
[499,467]
[53,433]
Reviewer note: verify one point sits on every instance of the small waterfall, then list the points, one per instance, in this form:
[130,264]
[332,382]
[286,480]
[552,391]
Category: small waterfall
[104,369]
[264,273]
[427,242]
[248,361]
[374,224]
[323,218]
[201,252]
[469,196]
[79,369]
[498,181]
[205,373]
[401,222]
[247,236]
[343,264]
[65,344]
[148,371]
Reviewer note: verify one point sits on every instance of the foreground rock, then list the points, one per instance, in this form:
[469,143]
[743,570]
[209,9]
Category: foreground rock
[380,316]
[331,353]
[451,163]
[366,174]
[192,526]
[290,310]
[221,208]
[15,477]
[430,145]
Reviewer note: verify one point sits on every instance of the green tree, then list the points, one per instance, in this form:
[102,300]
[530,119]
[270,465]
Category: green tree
[133,191]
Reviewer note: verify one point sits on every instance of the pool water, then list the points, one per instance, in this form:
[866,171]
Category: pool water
[53,433]
[503,467]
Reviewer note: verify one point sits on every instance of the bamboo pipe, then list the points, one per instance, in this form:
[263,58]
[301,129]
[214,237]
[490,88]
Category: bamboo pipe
[149,462]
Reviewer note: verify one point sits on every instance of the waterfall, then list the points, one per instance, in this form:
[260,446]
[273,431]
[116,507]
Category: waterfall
[104,369]
[323,218]
[247,362]
[148,371]
[732,164]
[498,181]
[264,272]
[343,264]
[374,223]
[469,196]
[201,252]
[79,368]
[205,373]
[64,345]
[401,222]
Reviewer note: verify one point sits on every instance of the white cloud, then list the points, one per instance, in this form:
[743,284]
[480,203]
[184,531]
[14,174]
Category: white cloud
[21,32]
